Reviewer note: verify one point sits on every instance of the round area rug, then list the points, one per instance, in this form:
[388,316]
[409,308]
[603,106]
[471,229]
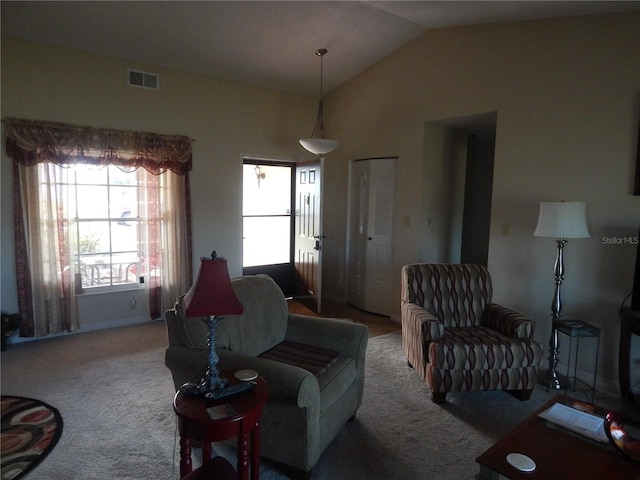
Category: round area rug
[30,430]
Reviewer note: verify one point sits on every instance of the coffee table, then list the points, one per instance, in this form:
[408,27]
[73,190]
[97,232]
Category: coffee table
[557,452]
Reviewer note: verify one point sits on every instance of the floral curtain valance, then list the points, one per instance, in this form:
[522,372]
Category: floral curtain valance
[30,142]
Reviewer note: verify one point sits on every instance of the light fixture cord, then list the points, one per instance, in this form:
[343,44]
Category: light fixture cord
[318,129]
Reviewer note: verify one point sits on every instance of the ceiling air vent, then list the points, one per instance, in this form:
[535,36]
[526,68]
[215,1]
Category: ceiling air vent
[136,78]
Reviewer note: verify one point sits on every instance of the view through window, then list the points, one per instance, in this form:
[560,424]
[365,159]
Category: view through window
[266,211]
[107,235]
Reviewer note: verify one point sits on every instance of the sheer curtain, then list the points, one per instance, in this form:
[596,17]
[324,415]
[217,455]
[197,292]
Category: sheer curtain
[45,267]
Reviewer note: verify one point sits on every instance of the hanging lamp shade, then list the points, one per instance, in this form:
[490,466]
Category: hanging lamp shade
[318,143]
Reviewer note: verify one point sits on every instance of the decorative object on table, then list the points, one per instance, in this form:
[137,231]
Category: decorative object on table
[10,323]
[319,143]
[559,220]
[30,430]
[211,296]
[618,428]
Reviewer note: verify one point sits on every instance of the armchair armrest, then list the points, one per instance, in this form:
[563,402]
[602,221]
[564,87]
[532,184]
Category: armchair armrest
[287,383]
[508,322]
[347,337]
[419,323]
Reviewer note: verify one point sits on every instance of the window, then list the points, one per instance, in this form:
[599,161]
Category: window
[266,211]
[106,235]
[97,209]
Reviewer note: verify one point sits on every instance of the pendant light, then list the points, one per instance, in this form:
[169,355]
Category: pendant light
[319,143]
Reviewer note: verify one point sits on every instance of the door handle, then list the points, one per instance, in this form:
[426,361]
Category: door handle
[317,244]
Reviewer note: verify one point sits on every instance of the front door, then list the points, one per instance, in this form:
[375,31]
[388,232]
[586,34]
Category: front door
[308,234]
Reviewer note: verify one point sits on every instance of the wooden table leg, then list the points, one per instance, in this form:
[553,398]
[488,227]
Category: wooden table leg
[206,452]
[185,456]
[255,451]
[243,456]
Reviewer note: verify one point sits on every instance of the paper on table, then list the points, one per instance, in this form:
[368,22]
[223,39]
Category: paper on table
[220,411]
[577,421]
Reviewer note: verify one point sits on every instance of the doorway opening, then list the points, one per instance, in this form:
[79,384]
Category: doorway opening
[268,221]
[462,151]
[268,188]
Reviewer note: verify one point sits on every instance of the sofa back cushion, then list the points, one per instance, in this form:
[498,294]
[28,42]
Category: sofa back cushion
[263,323]
[456,294]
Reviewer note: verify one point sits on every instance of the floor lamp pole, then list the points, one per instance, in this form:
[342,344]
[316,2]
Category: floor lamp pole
[556,307]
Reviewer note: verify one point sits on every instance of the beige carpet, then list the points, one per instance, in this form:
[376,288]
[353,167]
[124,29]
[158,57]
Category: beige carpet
[115,395]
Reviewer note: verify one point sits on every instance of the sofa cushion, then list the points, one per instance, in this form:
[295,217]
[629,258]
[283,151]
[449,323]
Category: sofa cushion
[313,359]
[263,323]
[482,348]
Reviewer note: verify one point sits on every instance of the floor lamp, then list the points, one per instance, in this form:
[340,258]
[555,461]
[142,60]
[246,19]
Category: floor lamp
[559,220]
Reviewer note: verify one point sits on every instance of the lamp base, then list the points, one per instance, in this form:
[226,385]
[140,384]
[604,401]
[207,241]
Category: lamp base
[210,383]
[552,380]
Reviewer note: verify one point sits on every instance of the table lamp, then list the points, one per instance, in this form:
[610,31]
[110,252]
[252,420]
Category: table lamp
[209,298]
[559,220]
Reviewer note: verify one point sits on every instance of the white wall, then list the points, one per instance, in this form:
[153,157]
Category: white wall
[567,97]
[226,119]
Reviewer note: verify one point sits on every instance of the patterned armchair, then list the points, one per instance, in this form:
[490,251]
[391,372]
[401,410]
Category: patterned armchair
[457,340]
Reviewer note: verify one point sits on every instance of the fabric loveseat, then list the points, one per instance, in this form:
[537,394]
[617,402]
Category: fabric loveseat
[309,403]
[456,339]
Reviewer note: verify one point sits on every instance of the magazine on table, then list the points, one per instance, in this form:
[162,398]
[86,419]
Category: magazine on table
[578,421]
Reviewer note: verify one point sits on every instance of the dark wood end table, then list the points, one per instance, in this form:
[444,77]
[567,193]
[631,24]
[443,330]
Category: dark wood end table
[242,421]
[557,452]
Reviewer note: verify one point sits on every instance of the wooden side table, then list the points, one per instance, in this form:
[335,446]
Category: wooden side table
[241,419]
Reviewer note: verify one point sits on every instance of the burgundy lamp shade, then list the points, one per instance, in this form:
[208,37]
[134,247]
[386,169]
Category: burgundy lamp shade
[211,294]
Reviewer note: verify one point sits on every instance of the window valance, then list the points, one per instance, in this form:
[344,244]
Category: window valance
[30,142]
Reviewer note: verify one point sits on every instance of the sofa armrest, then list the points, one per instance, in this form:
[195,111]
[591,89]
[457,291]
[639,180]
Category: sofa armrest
[419,323]
[287,383]
[345,336]
[508,322]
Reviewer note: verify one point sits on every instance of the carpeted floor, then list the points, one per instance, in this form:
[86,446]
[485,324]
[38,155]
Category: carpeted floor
[115,396]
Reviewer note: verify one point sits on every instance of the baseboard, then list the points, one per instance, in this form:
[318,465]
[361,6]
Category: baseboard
[15,339]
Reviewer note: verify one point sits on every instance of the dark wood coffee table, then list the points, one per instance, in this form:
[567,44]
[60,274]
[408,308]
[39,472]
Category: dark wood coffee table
[558,453]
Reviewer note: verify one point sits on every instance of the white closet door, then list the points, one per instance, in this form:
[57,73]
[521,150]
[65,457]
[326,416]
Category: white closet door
[371,234]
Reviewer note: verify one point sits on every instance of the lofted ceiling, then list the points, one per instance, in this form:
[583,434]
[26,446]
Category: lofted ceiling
[266,43]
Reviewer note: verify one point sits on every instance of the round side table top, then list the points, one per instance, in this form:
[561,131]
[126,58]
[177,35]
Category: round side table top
[234,407]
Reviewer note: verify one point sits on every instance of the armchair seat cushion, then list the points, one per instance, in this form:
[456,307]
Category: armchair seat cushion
[482,348]
[316,360]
